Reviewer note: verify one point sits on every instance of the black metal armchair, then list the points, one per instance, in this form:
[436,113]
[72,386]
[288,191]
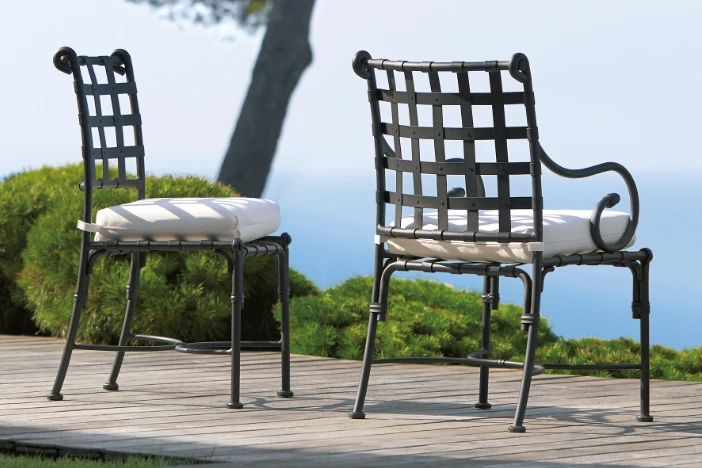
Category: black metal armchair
[461,230]
[234,228]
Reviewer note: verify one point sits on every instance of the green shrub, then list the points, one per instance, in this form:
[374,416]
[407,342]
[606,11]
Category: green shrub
[181,295]
[23,198]
[666,363]
[427,318]
[300,285]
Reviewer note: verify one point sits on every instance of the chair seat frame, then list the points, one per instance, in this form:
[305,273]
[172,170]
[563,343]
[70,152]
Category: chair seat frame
[234,252]
[387,263]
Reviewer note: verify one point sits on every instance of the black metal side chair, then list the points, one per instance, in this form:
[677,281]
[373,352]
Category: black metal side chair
[462,230]
[234,228]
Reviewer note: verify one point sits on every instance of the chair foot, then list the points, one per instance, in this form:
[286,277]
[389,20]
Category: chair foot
[113,387]
[516,429]
[357,415]
[483,405]
[232,405]
[644,418]
[285,393]
[55,396]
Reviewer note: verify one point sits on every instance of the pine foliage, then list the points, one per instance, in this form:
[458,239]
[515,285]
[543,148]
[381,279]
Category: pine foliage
[183,295]
[430,319]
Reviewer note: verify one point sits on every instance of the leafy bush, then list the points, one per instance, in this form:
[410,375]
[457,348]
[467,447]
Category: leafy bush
[181,295]
[427,318]
[666,363]
[23,198]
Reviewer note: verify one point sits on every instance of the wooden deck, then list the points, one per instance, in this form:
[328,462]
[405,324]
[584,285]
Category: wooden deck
[172,404]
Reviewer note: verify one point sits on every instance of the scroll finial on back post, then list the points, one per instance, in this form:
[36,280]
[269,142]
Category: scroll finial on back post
[64,60]
[126,59]
[519,68]
[360,64]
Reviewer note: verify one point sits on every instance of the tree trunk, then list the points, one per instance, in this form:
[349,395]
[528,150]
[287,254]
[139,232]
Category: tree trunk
[285,53]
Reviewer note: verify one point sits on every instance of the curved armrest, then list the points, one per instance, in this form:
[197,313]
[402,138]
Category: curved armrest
[608,201]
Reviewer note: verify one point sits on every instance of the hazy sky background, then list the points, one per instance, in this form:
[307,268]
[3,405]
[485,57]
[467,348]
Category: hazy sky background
[613,80]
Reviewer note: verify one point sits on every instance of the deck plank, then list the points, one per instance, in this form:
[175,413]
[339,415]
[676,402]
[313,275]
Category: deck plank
[172,404]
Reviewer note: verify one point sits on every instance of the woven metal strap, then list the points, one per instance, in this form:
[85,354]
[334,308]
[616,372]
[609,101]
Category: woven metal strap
[471,133]
[398,147]
[439,153]
[119,129]
[437,98]
[462,203]
[457,167]
[414,122]
[98,112]
[470,172]
[500,126]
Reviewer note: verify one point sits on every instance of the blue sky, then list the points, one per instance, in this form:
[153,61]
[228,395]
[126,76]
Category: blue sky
[613,80]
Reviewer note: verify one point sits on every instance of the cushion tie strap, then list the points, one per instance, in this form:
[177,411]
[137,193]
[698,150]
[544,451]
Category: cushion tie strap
[88,227]
[535,246]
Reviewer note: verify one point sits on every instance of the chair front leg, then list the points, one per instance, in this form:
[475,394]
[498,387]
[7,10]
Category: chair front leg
[132,292]
[79,300]
[284,295]
[642,308]
[237,305]
[377,310]
[530,323]
[490,303]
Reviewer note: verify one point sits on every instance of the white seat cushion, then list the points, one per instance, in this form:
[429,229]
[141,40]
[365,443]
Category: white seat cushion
[565,232]
[192,219]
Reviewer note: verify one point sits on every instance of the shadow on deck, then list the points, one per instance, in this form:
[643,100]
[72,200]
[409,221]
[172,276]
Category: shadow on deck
[172,405]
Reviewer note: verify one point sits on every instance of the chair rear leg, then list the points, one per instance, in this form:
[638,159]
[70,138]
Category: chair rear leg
[132,291]
[237,306]
[490,303]
[284,294]
[79,300]
[377,310]
[357,412]
[643,309]
[530,323]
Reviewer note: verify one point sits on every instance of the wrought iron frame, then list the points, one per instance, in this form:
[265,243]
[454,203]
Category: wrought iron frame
[472,199]
[234,252]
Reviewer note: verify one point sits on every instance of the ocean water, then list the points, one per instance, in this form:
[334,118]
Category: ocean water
[331,221]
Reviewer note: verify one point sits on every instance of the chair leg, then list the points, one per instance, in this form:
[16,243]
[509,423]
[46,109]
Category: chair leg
[530,321]
[357,412]
[643,309]
[79,299]
[284,294]
[377,308]
[237,305]
[132,291]
[489,304]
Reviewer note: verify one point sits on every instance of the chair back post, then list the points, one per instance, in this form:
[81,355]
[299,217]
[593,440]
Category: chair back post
[66,61]
[520,70]
[360,66]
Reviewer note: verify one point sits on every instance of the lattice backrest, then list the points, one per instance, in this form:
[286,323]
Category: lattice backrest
[108,113]
[402,147]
